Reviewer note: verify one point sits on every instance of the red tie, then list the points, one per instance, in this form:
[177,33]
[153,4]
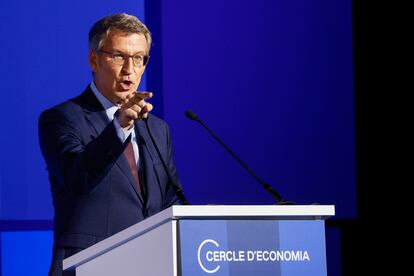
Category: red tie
[129,154]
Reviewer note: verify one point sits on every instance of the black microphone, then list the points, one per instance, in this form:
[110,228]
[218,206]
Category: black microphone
[177,189]
[279,200]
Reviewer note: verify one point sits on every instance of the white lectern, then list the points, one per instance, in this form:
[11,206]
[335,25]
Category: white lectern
[214,240]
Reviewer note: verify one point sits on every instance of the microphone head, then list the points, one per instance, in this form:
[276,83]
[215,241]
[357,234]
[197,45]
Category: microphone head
[191,115]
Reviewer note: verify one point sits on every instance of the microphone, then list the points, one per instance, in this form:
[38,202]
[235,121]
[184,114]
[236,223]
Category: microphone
[278,198]
[177,189]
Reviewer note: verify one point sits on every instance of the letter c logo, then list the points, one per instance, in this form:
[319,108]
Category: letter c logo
[199,257]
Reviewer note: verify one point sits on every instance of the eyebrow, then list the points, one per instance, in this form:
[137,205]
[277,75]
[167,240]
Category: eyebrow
[137,53]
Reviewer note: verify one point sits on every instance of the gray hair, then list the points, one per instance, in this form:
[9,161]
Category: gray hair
[120,22]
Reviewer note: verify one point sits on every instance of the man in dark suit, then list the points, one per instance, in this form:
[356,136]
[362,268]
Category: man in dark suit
[107,157]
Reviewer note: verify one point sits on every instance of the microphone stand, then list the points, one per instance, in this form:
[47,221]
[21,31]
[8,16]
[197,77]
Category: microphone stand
[278,198]
[178,191]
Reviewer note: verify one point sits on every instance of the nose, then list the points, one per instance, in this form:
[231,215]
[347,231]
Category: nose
[128,66]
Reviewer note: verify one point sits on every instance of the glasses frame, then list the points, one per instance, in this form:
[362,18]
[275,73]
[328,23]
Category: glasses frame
[125,56]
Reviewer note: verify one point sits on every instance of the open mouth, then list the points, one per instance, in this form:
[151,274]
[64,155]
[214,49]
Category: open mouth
[126,84]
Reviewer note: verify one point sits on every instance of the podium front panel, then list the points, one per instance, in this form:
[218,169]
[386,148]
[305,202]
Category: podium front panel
[252,247]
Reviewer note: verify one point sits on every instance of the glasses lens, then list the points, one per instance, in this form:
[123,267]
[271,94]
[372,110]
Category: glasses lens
[140,61]
[145,60]
[118,59]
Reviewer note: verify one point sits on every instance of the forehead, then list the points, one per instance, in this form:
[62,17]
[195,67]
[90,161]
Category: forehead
[135,42]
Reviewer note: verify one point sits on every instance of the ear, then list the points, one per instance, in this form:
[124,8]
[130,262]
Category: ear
[93,60]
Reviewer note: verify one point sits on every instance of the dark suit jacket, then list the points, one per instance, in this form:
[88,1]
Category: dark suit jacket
[94,194]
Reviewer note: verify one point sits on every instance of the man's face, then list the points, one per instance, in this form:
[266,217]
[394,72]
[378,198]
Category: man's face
[116,81]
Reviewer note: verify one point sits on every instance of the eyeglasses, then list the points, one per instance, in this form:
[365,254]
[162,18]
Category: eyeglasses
[119,58]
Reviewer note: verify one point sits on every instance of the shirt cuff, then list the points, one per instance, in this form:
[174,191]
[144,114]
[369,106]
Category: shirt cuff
[120,132]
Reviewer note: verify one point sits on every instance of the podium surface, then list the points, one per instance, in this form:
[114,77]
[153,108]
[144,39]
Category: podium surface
[214,240]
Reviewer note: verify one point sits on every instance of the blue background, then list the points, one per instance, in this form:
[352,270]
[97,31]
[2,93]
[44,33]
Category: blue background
[273,79]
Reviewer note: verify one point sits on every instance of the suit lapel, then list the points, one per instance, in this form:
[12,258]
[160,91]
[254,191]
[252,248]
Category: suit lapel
[144,140]
[148,157]
[93,110]
[98,120]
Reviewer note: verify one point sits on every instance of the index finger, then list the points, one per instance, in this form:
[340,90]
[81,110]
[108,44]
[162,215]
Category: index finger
[137,98]
[141,95]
